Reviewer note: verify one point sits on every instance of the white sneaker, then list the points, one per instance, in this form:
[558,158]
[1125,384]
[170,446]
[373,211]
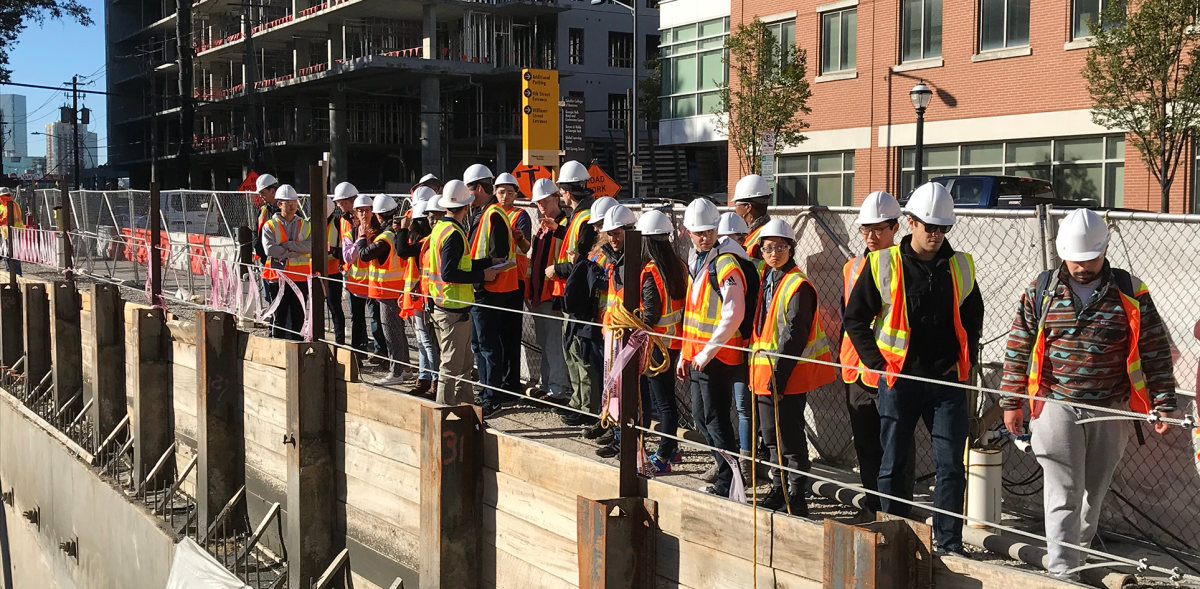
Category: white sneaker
[389,381]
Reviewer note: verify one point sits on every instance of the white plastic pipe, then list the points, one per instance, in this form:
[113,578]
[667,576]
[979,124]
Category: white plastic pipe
[983,486]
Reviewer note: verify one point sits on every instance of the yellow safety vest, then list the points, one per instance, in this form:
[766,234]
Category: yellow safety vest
[449,295]
[806,376]
[700,317]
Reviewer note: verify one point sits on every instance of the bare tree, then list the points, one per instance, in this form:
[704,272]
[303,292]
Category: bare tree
[1142,77]
[766,92]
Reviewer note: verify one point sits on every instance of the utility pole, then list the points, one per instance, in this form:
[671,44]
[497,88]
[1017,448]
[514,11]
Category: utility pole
[75,128]
[187,110]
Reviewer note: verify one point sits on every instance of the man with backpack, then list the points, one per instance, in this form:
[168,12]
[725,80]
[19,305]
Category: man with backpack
[720,290]
[1090,334]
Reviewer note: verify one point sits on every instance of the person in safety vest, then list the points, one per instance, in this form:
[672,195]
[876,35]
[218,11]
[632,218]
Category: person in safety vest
[877,224]
[285,240]
[916,311]
[581,342]
[10,207]
[376,246]
[357,272]
[750,198]
[599,265]
[599,255]
[787,322]
[610,251]
[496,339]
[521,225]
[412,239]
[266,186]
[712,317]
[732,227]
[554,382]
[452,272]
[341,201]
[1087,333]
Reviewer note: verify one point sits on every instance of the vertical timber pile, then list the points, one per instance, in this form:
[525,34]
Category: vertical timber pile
[451,496]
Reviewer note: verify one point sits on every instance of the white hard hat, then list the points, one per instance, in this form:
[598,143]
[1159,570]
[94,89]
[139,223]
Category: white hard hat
[476,173]
[879,206]
[5,190]
[423,193]
[573,171]
[456,195]
[286,192]
[777,228]
[1082,236]
[383,204]
[363,200]
[264,181]
[655,223]
[418,208]
[506,178]
[931,203]
[543,188]
[752,186]
[732,224]
[426,179]
[434,205]
[701,215]
[600,207]
[617,217]
[344,190]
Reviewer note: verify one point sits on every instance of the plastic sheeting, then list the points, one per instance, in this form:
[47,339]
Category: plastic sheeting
[195,568]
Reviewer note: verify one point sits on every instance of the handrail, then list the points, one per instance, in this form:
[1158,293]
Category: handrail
[340,562]
[258,532]
[224,512]
[175,486]
[157,465]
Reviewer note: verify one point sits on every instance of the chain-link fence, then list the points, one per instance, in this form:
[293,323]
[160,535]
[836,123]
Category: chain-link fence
[1157,486]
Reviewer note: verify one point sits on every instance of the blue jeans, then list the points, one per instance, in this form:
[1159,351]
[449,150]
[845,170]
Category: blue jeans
[943,408]
[358,325]
[427,352]
[744,401]
[662,396]
[488,345]
[333,302]
[13,265]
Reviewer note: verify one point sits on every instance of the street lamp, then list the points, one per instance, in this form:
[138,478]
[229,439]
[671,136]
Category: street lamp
[920,95]
[633,126]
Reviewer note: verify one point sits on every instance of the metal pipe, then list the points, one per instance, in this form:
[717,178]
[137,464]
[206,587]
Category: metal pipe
[175,486]
[224,512]
[66,405]
[83,412]
[157,465]
[113,434]
[258,532]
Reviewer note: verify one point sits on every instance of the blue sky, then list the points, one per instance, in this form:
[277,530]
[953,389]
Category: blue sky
[49,55]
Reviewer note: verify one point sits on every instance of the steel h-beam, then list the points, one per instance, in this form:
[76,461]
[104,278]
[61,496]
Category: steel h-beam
[220,428]
[451,496]
[12,331]
[37,334]
[67,340]
[153,412]
[309,533]
[109,406]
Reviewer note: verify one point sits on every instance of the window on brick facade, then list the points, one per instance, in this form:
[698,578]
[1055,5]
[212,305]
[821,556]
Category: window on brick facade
[575,46]
[620,49]
[1003,23]
[839,39]
[618,111]
[1084,11]
[785,33]
[920,29]
[815,179]
[1086,169]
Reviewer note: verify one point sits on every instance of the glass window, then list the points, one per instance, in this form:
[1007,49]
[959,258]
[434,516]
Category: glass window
[815,179]
[685,74]
[1027,151]
[1084,11]
[693,68]
[618,111]
[989,154]
[1003,23]
[712,70]
[713,27]
[785,32]
[575,46]
[620,49]
[920,29]
[838,40]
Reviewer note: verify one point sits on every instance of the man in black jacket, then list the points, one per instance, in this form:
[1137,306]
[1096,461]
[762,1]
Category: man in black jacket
[922,295]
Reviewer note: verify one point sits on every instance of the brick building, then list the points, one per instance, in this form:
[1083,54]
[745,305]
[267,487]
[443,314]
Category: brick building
[1008,97]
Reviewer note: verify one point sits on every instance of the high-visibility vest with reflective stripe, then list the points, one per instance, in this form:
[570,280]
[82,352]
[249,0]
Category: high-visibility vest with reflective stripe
[578,218]
[1139,397]
[601,260]
[410,301]
[358,272]
[852,366]
[700,316]
[806,376]
[298,268]
[264,215]
[548,288]
[333,232]
[753,248]
[386,278]
[891,325]
[671,320]
[449,295]
[522,259]
[15,207]
[506,280]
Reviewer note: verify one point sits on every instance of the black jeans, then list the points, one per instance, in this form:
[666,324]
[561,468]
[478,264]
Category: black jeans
[358,325]
[712,402]
[662,396]
[510,340]
[943,408]
[791,442]
[288,319]
[864,422]
[333,302]
[488,343]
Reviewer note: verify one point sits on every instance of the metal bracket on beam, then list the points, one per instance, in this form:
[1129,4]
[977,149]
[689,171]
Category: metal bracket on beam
[891,553]
[616,542]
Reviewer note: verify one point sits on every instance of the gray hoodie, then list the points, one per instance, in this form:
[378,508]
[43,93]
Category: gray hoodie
[296,245]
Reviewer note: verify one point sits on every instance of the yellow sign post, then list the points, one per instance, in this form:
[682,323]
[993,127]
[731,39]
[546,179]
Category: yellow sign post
[539,113]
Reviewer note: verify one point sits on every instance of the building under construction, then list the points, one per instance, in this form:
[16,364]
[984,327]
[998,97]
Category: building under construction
[202,93]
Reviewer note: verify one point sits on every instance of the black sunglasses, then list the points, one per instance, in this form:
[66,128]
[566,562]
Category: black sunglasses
[943,229]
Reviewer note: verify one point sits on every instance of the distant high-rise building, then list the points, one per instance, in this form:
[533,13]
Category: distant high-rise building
[14,137]
[60,155]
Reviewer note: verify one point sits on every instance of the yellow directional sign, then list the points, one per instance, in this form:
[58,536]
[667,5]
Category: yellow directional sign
[539,113]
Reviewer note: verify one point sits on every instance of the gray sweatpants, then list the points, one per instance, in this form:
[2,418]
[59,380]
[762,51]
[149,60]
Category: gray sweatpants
[554,378]
[1078,462]
[393,332]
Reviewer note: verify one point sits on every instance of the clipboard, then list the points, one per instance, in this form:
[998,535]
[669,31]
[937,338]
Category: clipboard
[504,266]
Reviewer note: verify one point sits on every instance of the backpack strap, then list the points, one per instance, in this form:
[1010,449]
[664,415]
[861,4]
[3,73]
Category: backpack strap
[1042,292]
[1124,281]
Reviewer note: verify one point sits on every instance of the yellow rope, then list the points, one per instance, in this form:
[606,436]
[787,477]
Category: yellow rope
[622,319]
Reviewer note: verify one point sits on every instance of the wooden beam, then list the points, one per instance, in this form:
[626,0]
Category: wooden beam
[220,427]
[311,490]
[451,496]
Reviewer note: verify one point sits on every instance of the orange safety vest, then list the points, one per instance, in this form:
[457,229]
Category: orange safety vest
[568,245]
[333,231]
[385,280]
[753,248]
[506,280]
[1139,398]
[852,366]
[297,269]
[672,309]
[702,313]
[550,284]
[410,301]
[522,259]
[806,376]
[613,296]
[15,207]
[891,325]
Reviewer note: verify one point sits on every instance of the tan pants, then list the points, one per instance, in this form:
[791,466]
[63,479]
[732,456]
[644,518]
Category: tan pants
[454,342]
